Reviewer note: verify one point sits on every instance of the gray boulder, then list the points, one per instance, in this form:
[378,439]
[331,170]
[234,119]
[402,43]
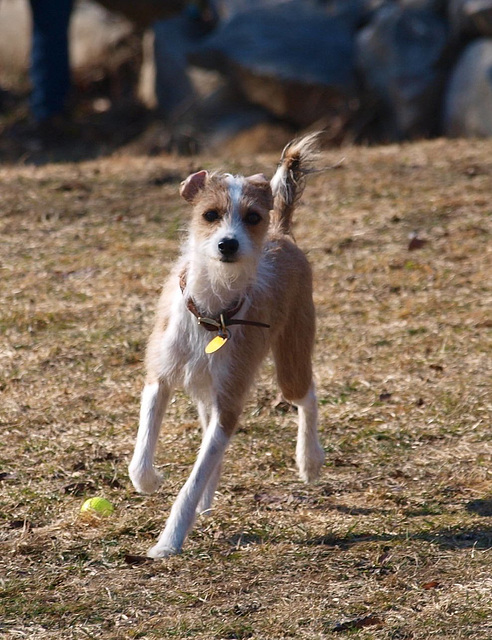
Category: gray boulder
[400,58]
[468,100]
[294,59]
[173,87]
[173,40]
[362,8]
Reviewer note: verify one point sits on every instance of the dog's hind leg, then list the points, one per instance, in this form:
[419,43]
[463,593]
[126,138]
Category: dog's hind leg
[309,452]
[205,504]
[155,398]
[203,414]
[292,354]
[182,516]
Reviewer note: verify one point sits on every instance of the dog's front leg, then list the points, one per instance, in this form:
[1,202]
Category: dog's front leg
[144,477]
[182,514]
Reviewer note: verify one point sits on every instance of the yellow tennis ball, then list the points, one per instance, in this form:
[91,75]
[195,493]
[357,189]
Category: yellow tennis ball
[100,506]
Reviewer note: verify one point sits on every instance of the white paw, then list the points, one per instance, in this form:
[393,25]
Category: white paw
[145,480]
[310,464]
[159,551]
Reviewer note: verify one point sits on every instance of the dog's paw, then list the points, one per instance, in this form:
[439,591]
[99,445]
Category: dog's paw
[145,480]
[160,551]
[310,464]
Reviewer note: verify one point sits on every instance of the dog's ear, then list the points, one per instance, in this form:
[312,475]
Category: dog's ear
[192,185]
[259,181]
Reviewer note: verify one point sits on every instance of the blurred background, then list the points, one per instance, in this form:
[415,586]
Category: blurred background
[84,79]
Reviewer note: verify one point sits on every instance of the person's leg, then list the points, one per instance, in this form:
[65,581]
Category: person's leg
[50,70]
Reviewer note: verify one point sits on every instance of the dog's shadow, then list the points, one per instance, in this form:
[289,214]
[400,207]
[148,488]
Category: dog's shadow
[479,538]
[481,507]
[450,538]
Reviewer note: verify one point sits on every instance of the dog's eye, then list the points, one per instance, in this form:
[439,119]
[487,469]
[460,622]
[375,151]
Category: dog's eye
[252,218]
[211,216]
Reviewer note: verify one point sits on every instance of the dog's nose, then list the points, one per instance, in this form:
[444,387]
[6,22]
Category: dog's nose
[228,246]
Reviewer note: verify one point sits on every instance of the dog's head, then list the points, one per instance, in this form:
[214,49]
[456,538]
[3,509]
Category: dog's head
[230,220]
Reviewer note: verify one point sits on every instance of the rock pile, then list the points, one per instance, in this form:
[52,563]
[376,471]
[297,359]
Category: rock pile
[372,70]
[219,70]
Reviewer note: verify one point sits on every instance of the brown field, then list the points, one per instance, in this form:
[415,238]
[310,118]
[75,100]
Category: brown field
[395,540]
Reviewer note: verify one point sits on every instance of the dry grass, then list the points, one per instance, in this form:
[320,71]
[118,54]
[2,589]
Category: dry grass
[395,540]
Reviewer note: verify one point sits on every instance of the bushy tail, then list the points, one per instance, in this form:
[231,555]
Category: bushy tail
[289,180]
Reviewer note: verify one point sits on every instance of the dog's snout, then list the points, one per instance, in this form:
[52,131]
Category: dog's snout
[228,246]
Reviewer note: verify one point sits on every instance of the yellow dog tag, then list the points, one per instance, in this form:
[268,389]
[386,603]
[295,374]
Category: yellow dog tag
[215,344]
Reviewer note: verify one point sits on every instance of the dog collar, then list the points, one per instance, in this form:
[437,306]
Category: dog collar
[222,321]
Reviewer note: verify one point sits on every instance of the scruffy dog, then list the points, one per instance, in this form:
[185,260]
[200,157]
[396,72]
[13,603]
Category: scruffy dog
[241,287]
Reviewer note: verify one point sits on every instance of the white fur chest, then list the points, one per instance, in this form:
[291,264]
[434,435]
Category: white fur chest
[182,352]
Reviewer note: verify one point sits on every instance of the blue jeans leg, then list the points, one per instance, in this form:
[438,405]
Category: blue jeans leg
[50,69]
